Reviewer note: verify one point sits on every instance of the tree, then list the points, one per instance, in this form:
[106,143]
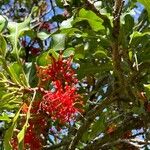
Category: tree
[75,75]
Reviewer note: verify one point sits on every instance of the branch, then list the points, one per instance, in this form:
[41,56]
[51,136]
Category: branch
[128,124]
[116,57]
[88,120]
[53,8]
[124,143]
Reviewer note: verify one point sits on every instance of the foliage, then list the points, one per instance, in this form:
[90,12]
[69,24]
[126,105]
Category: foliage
[75,74]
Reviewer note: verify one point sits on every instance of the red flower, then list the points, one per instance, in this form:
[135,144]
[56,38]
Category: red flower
[59,105]
[32,139]
[37,126]
[60,69]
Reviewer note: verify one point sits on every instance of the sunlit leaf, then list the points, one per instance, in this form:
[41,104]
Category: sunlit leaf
[94,21]
[58,41]
[3,46]
[43,35]
[3,23]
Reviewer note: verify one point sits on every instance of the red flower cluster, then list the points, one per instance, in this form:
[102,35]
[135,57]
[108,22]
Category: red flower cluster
[37,126]
[60,104]
[57,103]
[32,139]
[60,69]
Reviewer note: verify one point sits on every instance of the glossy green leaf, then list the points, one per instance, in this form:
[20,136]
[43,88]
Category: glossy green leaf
[68,52]
[70,31]
[16,71]
[95,22]
[43,35]
[3,23]
[44,59]
[17,74]
[67,23]
[18,29]
[58,41]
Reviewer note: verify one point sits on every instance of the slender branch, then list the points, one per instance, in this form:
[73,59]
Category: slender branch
[51,2]
[123,142]
[128,124]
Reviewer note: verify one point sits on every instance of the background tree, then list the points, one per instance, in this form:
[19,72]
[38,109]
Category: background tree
[75,74]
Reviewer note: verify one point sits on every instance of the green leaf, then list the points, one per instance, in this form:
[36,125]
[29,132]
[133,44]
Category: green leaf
[79,51]
[34,9]
[97,127]
[86,137]
[130,55]
[95,22]
[126,30]
[18,29]
[15,70]
[3,46]
[87,67]
[43,35]
[44,59]
[67,23]
[146,3]
[58,41]
[68,52]
[7,98]
[30,71]
[60,3]
[70,31]
[9,132]
[100,53]
[3,23]
[21,134]
[53,53]
[31,33]
[137,36]
[5,117]
[129,23]
[17,74]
